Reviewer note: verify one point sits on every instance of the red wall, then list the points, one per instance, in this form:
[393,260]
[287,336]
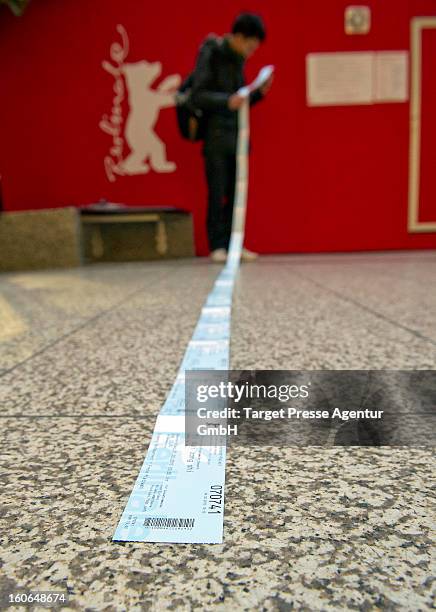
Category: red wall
[322,178]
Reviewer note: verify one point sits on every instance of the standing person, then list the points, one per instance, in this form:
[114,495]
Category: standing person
[218,76]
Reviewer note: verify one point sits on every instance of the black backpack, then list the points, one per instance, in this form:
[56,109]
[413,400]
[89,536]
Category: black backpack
[190,119]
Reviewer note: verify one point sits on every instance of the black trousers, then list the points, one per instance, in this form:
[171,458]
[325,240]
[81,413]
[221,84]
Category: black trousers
[220,166]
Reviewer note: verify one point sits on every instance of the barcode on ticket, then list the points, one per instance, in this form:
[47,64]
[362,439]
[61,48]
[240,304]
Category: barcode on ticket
[155,522]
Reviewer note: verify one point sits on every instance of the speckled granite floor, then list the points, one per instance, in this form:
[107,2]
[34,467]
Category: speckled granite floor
[86,359]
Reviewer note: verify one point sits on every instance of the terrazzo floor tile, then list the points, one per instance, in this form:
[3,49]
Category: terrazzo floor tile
[294,323]
[305,528]
[396,290]
[125,361]
[312,529]
[38,308]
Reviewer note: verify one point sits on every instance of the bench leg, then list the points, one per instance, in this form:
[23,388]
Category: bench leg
[161,238]
[97,242]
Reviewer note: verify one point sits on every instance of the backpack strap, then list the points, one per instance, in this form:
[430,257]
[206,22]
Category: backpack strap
[211,43]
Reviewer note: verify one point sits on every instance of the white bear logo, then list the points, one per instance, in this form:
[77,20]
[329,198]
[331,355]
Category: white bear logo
[145,104]
[147,151]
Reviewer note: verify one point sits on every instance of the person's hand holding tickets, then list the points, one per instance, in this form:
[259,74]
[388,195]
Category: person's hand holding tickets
[262,82]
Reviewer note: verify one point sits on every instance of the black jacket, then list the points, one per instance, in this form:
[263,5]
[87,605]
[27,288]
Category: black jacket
[219,73]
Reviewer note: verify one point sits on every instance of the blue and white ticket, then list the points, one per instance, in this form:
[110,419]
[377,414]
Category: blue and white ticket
[179,493]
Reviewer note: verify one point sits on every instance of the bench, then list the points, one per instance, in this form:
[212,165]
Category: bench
[129,233]
[69,237]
